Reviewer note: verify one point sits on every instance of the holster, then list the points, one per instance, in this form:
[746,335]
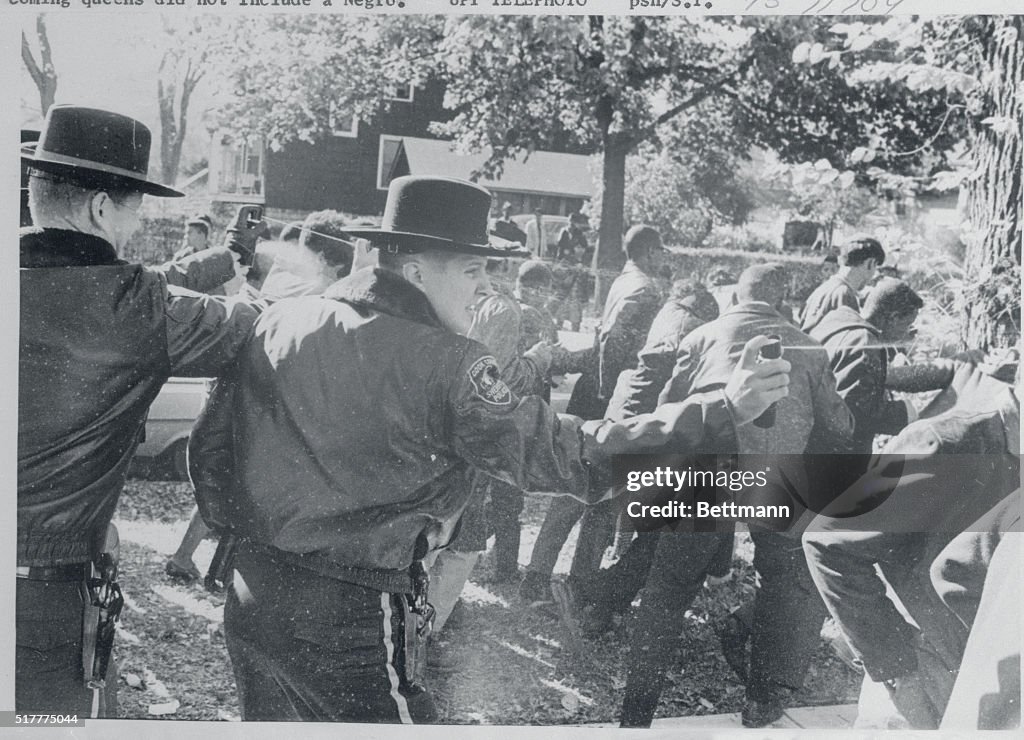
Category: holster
[418,621]
[102,608]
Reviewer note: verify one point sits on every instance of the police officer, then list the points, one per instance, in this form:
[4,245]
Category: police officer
[98,337]
[355,420]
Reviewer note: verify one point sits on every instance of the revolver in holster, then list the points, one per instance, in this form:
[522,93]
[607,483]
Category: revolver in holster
[419,620]
[103,603]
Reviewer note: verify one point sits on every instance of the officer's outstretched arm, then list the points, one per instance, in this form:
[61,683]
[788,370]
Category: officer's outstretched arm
[516,439]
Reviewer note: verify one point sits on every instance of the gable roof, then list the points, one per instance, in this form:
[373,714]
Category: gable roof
[551,173]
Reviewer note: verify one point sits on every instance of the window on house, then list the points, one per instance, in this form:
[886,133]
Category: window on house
[343,120]
[401,92]
[389,146]
[239,167]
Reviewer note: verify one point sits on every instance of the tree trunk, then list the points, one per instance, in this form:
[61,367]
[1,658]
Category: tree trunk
[43,73]
[168,128]
[608,258]
[991,300]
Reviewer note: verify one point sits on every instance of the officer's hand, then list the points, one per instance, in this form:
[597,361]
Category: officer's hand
[244,231]
[541,353]
[913,701]
[560,358]
[755,385]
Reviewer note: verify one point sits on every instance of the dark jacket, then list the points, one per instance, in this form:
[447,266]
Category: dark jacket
[860,362]
[357,420]
[205,271]
[933,480]
[629,310]
[830,295]
[706,359]
[637,391]
[98,337]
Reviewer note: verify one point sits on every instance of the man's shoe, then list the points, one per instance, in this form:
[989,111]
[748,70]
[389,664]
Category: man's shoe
[733,636]
[184,573]
[762,713]
[569,613]
[535,589]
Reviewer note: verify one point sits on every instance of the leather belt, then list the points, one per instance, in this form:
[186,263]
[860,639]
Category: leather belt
[73,572]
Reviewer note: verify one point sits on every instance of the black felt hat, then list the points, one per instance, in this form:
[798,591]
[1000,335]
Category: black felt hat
[439,212]
[95,147]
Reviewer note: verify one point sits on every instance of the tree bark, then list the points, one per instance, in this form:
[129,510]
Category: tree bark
[990,305]
[608,257]
[174,119]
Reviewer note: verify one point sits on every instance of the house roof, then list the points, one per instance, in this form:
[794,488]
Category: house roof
[551,173]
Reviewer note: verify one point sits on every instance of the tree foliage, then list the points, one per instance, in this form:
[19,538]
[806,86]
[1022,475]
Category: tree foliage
[974,66]
[302,72]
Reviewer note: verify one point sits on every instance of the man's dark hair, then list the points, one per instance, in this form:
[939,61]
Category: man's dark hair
[890,297]
[860,249]
[694,297]
[640,241]
[720,275]
[291,232]
[535,274]
[323,232]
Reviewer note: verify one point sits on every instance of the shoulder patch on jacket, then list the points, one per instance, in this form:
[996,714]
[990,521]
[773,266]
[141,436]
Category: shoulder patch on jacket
[486,379]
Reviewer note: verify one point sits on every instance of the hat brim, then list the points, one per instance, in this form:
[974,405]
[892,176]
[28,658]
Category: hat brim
[488,249]
[148,187]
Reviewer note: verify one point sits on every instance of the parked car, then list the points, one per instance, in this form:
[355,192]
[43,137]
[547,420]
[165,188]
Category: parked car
[552,226]
[163,451]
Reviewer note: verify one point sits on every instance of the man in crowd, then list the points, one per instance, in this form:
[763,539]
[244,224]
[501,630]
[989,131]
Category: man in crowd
[594,601]
[632,303]
[572,244]
[197,235]
[98,338]
[788,612]
[859,260]
[859,346]
[936,477]
[356,419]
[323,255]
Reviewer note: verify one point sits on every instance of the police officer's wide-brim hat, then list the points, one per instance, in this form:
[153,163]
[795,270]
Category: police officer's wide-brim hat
[95,147]
[440,213]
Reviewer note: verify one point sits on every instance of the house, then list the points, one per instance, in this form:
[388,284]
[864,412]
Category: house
[349,170]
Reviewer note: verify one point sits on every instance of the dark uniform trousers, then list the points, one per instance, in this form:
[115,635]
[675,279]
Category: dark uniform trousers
[48,659]
[787,617]
[305,647]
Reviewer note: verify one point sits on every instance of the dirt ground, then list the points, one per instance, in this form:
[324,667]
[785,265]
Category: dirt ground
[512,668]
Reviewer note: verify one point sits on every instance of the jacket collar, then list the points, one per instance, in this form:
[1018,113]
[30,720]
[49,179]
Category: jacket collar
[842,319]
[64,248]
[756,307]
[380,290]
